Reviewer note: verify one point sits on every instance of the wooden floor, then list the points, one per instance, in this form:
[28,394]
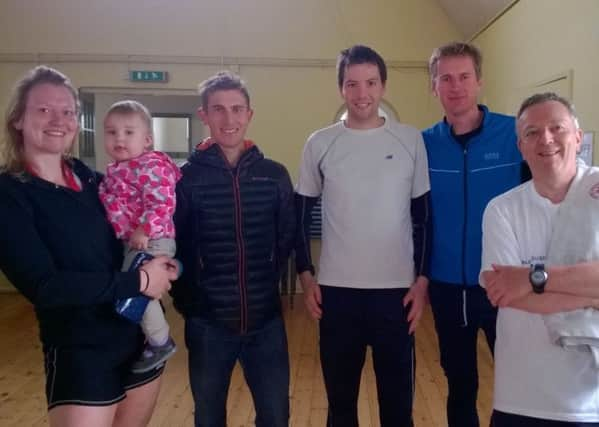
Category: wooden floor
[22,400]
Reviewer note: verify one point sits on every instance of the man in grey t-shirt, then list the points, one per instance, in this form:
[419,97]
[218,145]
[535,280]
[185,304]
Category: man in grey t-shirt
[372,175]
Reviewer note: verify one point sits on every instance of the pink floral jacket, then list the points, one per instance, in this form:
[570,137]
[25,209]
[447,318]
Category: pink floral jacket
[141,191]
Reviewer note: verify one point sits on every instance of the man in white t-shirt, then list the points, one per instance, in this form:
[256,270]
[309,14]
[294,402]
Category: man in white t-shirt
[372,175]
[537,382]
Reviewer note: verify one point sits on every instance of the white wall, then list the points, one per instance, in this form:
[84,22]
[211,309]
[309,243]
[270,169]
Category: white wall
[290,100]
[538,39]
[400,29]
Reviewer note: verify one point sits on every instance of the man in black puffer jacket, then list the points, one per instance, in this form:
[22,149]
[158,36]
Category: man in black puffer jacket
[235,225]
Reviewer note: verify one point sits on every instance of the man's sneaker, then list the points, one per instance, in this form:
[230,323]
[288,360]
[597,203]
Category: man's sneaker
[154,356]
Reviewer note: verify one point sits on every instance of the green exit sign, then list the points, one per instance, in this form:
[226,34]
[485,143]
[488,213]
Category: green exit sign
[148,76]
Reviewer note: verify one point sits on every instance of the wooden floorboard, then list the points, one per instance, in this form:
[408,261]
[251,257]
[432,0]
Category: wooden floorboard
[22,400]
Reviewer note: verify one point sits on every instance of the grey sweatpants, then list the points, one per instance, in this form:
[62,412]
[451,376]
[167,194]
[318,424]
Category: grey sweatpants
[153,324]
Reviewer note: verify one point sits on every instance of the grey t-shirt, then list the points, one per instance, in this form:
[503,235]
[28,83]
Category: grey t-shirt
[367,179]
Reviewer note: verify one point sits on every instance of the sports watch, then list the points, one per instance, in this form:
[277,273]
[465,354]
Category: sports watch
[538,278]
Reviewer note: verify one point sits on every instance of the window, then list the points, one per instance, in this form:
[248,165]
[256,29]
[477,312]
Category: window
[172,135]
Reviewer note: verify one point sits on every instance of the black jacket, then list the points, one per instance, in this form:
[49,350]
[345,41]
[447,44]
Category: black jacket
[58,250]
[235,228]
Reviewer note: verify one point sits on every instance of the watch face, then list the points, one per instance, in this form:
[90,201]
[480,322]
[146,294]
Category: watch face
[538,277]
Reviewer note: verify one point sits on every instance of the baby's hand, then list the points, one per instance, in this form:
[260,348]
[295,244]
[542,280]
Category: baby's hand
[139,240]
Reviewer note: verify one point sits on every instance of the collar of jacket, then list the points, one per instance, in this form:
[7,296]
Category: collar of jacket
[209,142]
[84,174]
[446,127]
[209,152]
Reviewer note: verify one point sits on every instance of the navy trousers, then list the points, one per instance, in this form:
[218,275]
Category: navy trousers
[459,312]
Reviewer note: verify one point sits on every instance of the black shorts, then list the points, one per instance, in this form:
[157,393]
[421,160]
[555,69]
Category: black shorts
[90,376]
[501,419]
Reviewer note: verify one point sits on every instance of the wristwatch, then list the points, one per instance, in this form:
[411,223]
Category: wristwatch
[538,278]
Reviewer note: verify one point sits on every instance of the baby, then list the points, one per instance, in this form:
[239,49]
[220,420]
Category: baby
[138,193]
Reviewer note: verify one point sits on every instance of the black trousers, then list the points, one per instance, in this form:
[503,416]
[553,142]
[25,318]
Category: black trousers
[353,319]
[459,312]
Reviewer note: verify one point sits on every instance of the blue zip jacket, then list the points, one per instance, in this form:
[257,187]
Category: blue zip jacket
[463,180]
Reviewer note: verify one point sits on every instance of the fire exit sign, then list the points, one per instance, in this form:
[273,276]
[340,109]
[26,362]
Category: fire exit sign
[148,76]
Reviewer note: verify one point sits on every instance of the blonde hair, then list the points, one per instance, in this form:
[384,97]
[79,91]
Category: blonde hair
[129,106]
[454,49]
[12,143]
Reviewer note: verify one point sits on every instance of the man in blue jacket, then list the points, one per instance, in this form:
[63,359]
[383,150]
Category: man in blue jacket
[473,157]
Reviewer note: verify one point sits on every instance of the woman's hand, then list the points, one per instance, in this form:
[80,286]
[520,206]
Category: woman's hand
[156,275]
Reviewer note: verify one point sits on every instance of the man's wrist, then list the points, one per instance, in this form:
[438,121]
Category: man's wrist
[538,278]
[306,279]
[421,281]
[304,268]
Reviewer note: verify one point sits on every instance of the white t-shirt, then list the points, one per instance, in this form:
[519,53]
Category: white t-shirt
[367,179]
[533,376]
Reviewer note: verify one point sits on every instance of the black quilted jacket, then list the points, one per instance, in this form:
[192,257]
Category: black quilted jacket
[235,228]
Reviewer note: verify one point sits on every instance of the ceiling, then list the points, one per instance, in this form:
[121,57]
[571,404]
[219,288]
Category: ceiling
[471,16]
